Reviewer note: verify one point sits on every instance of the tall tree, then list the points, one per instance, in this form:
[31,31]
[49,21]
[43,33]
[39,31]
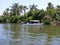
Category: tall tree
[50,10]
[15,9]
[50,6]
[58,9]
[20,9]
[25,8]
[33,7]
[6,12]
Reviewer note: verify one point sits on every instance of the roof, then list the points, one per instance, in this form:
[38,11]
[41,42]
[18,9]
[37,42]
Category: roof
[34,20]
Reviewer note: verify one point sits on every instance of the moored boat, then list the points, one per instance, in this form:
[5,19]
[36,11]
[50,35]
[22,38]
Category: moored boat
[33,22]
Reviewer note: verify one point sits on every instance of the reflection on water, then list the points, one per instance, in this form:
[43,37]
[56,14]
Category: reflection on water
[16,34]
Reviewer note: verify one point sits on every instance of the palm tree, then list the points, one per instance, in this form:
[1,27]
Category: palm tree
[33,7]
[6,12]
[50,6]
[25,8]
[7,9]
[15,9]
[20,9]
[58,7]
[58,10]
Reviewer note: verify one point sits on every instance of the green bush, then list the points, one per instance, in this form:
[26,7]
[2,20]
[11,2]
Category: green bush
[1,19]
[14,19]
[46,21]
[58,18]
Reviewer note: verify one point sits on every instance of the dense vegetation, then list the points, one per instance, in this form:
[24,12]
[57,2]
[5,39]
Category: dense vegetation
[17,13]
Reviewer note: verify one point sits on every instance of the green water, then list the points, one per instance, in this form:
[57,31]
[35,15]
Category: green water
[16,34]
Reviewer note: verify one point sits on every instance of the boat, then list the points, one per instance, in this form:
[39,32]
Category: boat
[33,22]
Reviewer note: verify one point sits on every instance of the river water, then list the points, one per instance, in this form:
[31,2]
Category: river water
[16,34]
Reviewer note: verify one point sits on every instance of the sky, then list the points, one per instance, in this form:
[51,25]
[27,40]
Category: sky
[42,4]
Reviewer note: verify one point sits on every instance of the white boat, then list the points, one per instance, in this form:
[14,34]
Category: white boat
[36,24]
[33,22]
